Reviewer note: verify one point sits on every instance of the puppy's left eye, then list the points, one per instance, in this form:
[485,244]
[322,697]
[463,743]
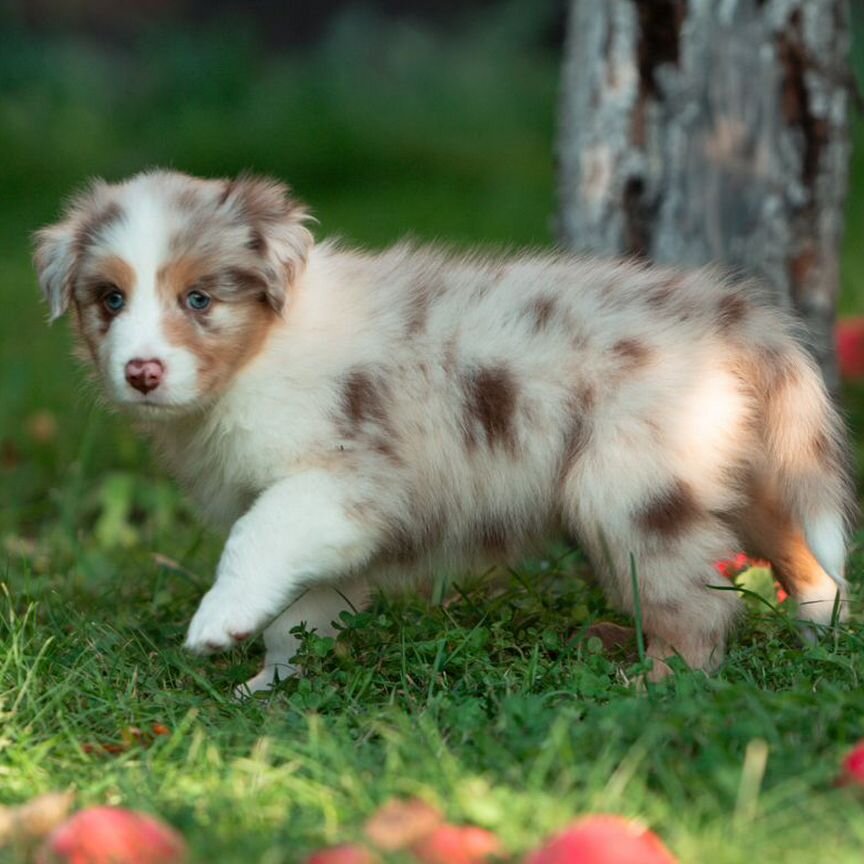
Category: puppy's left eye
[197,301]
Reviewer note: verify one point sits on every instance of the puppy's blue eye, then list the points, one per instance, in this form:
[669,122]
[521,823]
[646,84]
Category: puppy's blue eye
[198,301]
[114,301]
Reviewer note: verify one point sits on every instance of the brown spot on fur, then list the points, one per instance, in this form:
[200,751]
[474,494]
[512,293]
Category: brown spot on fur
[228,284]
[101,273]
[541,310]
[95,225]
[188,199]
[361,399]
[632,353]
[493,536]
[775,370]
[769,531]
[731,311]
[418,309]
[672,513]
[578,337]
[662,296]
[579,429]
[449,359]
[829,453]
[490,403]
[98,276]
[364,414]
[256,241]
[408,539]
[259,200]
[222,344]
[385,448]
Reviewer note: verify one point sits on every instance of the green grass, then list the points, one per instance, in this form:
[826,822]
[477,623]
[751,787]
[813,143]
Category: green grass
[493,706]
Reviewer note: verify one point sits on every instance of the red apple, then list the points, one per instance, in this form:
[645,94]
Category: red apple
[111,835]
[603,840]
[850,347]
[852,772]
[456,844]
[398,823]
[348,853]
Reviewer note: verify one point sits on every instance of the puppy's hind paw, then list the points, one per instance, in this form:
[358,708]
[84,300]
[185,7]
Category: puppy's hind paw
[265,680]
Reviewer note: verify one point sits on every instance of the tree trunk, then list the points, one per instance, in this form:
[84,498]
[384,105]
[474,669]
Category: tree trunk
[712,130]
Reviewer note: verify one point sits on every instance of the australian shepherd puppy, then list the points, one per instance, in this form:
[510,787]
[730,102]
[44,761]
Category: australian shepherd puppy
[357,417]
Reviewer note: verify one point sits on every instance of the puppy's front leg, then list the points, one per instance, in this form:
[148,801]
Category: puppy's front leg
[298,533]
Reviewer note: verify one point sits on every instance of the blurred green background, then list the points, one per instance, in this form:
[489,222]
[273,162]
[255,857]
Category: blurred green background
[431,117]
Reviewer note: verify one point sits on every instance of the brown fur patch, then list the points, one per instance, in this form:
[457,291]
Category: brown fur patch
[418,309]
[490,404]
[768,529]
[92,227]
[450,356]
[827,452]
[223,344]
[406,541]
[361,399]
[731,311]
[672,513]
[775,370]
[364,414]
[632,353]
[260,200]
[541,311]
[96,278]
[661,296]
[493,536]
[578,432]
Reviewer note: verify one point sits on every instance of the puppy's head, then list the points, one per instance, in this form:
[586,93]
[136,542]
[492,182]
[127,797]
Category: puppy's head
[173,282]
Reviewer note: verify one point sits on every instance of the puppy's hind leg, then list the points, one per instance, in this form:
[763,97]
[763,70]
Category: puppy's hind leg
[319,608]
[673,541]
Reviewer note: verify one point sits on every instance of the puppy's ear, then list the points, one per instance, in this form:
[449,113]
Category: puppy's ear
[277,229]
[59,247]
[55,258]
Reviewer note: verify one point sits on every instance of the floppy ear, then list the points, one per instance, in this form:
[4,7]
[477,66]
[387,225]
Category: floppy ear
[55,259]
[277,229]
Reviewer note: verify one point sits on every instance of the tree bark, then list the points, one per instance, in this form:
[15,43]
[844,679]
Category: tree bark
[712,130]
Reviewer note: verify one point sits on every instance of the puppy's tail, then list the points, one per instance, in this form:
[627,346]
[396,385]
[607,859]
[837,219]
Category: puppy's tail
[803,487]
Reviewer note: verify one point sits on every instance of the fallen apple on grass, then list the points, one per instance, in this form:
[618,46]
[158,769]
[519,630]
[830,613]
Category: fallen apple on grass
[112,835]
[756,578]
[30,822]
[849,337]
[347,853]
[603,839]
[852,770]
[456,844]
[400,823]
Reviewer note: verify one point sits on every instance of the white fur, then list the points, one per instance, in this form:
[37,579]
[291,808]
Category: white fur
[826,536]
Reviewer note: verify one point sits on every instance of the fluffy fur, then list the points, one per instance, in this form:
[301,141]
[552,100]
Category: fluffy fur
[362,417]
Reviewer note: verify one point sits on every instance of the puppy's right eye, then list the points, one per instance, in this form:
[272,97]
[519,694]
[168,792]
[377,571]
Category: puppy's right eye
[114,301]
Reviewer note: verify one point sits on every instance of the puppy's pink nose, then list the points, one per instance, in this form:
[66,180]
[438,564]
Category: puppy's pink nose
[144,375]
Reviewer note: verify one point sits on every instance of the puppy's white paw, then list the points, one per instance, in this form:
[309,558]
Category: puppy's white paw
[223,620]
